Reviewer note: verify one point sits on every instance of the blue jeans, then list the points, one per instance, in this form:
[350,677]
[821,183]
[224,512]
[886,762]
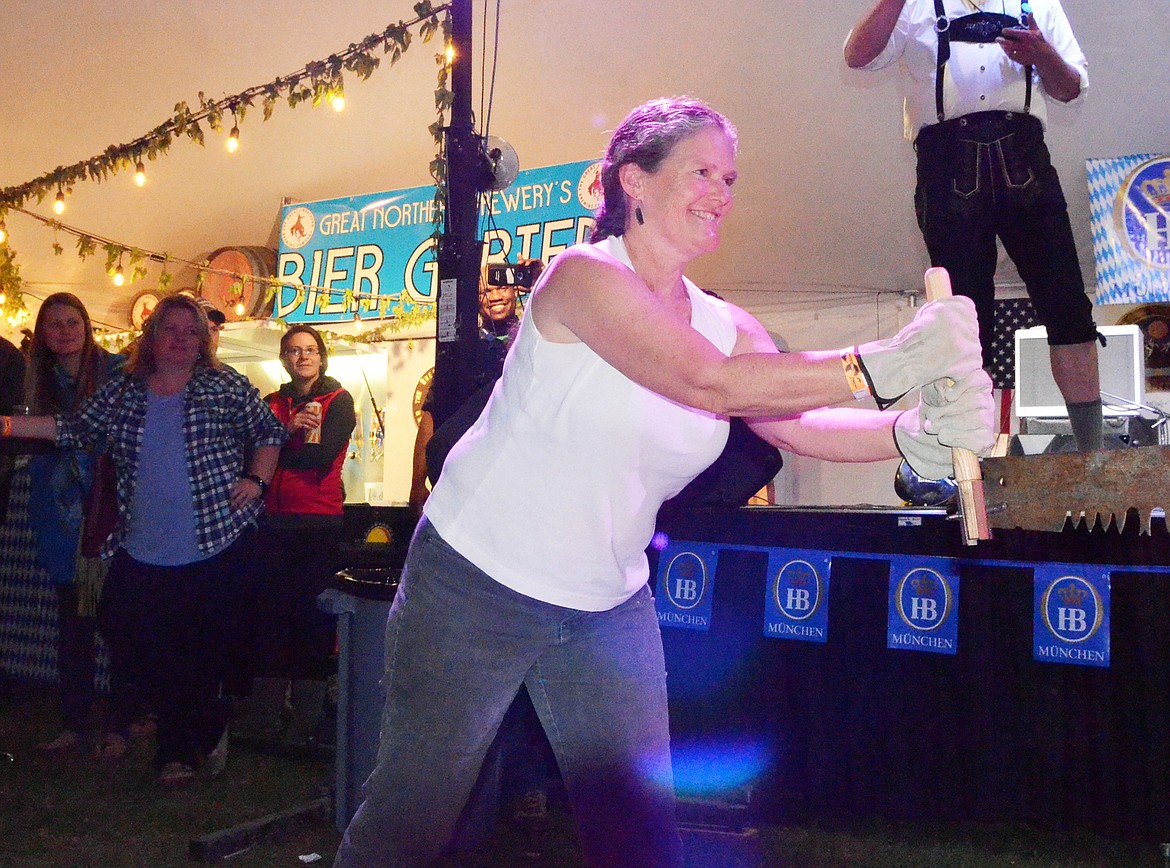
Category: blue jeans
[458,647]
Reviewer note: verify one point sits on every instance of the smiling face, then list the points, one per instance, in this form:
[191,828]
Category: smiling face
[497,303]
[685,201]
[64,331]
[302,358]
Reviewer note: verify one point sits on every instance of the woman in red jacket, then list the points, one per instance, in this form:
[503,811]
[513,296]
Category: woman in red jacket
[303,514]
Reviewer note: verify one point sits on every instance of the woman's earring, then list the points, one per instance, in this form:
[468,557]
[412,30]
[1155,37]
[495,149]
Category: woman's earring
[638,215]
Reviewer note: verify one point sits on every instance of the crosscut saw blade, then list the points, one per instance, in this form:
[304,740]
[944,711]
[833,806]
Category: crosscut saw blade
[1038,492]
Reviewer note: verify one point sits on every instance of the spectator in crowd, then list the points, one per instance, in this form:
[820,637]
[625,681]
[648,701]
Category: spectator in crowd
[11,394]
[498,319]
[65,367]
[194,447]
[293,645]
[215,322]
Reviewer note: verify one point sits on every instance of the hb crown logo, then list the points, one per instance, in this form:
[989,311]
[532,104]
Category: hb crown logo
[797,590]
[924,599]
[685,580]
[1141,213]
[1072,609]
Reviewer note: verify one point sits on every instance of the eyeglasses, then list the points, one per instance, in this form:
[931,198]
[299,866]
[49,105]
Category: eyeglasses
[297,352]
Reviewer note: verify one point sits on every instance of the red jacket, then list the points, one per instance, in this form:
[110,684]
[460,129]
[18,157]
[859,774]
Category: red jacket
[308,475]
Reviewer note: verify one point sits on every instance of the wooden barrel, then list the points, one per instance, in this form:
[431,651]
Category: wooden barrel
[247,262]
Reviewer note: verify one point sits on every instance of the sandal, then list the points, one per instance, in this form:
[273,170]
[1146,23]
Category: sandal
[111,747]
[175,774]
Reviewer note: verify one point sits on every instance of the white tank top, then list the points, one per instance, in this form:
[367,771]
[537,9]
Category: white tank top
[554,491]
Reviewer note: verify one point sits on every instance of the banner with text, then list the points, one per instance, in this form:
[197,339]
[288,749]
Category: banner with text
[686,585]
[797,601]
[924,605]
[1071,623]
[1129,199]
[358,258]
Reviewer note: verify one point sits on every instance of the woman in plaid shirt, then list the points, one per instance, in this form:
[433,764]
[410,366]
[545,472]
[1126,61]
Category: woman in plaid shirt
[194,447]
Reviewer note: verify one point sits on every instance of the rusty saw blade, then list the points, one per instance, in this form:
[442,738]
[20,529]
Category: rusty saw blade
[1038,492]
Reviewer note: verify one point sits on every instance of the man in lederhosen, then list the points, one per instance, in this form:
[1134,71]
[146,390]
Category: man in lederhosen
[973,71]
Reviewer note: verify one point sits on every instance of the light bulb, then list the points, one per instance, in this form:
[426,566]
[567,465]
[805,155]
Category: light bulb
[140,174]
[3,236]
[3,298]
[450,52]
[239,308]
[233,142]
[119,277]
[338,101]
[59,203]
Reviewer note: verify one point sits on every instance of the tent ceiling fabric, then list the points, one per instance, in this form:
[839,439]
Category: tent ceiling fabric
[823,203]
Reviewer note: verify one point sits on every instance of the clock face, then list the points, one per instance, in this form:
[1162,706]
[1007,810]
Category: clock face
[141,307]
[420,394]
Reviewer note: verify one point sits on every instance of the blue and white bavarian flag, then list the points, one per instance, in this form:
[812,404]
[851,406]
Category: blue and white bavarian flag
[1129,199]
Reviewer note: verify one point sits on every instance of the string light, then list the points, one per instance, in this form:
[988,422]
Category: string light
[119,275]
[140,174]
[337,100]
[3,236]
[239,308]
[59,203]
[233,141]
[450,53]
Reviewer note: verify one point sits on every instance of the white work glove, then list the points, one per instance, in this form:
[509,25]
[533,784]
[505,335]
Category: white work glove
[941,341]
[949,414]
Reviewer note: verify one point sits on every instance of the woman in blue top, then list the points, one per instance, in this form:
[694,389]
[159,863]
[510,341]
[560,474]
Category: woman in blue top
[194,448]
[65,367]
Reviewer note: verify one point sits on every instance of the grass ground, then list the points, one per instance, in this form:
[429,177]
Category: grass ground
[74,812]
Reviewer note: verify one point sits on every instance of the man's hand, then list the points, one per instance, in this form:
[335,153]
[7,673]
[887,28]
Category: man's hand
[1028,47]
[1025,45]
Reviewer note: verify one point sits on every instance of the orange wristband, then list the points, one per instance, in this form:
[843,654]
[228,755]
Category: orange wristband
[854,375]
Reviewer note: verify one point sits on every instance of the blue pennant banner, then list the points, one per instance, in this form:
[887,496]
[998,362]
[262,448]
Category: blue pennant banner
[1071,622]
[924,605]
[797,601]
[686,580]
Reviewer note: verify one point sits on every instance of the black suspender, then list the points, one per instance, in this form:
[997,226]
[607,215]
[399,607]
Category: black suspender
[942,28]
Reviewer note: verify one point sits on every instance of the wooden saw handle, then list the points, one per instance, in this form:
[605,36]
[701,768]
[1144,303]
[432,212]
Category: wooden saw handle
[968,475]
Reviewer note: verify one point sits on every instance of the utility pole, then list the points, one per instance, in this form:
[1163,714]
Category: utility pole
[459,247]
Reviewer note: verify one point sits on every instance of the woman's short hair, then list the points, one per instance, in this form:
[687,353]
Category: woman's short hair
[302,329]
[142,361]
[646,137]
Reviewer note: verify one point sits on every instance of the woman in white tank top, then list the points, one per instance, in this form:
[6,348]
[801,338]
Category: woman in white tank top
[529,564]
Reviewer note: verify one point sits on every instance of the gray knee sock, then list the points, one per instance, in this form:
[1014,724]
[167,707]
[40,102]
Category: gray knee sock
[1087,425]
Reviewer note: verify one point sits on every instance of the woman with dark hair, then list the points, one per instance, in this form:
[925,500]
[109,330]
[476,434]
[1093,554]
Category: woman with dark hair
[193,446]
[66,366]
[293,645]
[529,565]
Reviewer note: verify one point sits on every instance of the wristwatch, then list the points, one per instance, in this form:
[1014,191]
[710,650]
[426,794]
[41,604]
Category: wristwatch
[252,477]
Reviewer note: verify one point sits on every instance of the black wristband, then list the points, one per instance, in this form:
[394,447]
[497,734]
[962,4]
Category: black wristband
[252,477]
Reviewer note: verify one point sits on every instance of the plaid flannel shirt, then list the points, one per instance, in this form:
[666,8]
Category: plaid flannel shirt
[224,421]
